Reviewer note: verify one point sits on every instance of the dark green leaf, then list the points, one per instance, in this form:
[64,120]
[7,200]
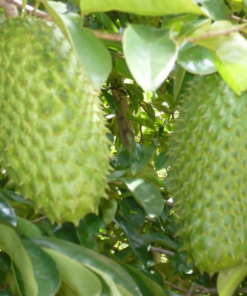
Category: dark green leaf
[217,9]
[180,265]
[92,260]
[44,268]
[137,214]
[147,286]
[7,214]
[161,239]
[140,156]
[106,21]
[5,264]
[179,77]
[147,195]
[161,160]
[138,245]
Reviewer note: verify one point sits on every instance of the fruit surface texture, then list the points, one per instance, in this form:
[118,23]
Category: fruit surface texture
[52,129]
[208,165]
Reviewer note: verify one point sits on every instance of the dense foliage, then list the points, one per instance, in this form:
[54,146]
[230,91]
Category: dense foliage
[140,57]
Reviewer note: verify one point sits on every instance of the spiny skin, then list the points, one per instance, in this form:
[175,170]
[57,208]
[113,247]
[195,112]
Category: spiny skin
[52,129]
[208,159]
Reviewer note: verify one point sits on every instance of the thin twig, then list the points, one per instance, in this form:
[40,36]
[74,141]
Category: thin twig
[39,219]
[174,286]
[108,36]
[162,251]
[30,9]
[217,33]
[236,18]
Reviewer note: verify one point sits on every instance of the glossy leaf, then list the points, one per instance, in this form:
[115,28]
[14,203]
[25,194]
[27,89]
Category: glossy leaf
[45,270]
[228,280]
[140,156]
[161,239]
[161,160]
[178,81]
[79,278]
[150,55]
[109,208]
[27,228]
[90,259]
[228,53]
[137,244]
[147,195]
[137,214]
[197,60]
[7,214]
[92,54]
[148,287]
[38,271]
[122,68]
[106,21]
[217,9]
[148,7]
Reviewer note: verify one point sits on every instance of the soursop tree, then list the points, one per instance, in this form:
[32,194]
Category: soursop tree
[123,148]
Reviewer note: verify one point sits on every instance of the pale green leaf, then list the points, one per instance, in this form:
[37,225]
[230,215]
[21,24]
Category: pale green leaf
[81,280]
[27,228]
[92,54]
[229,280]
[145,7]
[150,55]
[147,195]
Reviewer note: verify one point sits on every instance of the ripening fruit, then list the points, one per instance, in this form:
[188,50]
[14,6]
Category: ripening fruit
[52,129]
[208,160]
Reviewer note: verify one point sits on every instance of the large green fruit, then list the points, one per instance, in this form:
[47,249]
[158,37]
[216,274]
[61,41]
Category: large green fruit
[208,173]
[52,128]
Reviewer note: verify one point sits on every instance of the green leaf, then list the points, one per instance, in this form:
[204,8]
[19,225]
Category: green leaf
[228,280]
[148,7]
[88,227]
[7,214]
[217,9]
[140,156]
[180,265]
[5,264]
[197,60]
[161,161]
[229,55]
[106,21]
[137,214]
[147,195]
[38,271]
[45,269]
[11,244]
[122,68]
[150,55]
[147,286]
[27,228]
[109,208]
[137,244]
[161,239]
[92,260]
[76,276]
[93,56]
[179,77]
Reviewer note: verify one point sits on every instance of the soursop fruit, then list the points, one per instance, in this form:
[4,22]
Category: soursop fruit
[208,173]
[52,128]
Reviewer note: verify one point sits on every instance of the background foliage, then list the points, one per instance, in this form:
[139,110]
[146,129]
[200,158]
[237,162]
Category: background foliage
[141,55]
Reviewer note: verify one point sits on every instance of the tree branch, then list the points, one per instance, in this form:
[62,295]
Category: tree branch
[174,286]
[9,9]
[162,251]
[236,18]
[217,33]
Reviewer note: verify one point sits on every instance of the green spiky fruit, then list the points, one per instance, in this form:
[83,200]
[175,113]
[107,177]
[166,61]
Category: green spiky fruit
[208,160]
[52,129]
[152,21]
